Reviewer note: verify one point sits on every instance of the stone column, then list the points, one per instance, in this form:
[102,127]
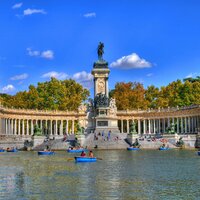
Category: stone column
[185,124]
[189,125]
[27,127]
[32,132]
[122,127]
[106,80]
[19,127]
[11,132]
[51,132]
[154,126]
[144,126]
[67,126]
[139,127]
[127,125]
[46,127]
[8,126]
[149,126]
[61,127]
[159,131]
[177,125]
[15,127]
[56,127]
[22,126]
[73,126]
[168,122]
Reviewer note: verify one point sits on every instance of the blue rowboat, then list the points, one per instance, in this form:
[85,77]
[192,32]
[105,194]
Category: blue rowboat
[76,150]
[12,150]
[132,148]
[163,148]
[85,159]
[45,153]
[2,150]
[199,153]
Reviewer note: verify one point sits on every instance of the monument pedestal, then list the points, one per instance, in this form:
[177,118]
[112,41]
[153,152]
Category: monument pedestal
[81,139]
[38,140]
[131,138]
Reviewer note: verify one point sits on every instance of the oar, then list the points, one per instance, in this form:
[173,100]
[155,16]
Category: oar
[70,159]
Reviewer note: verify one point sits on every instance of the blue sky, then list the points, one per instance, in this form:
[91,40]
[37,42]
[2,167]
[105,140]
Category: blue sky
[150,41]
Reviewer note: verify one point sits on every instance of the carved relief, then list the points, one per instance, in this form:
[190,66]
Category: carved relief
[113,107]
[101,85]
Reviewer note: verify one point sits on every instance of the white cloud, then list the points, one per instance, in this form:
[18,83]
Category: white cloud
[191,75]
[48,54]
[150,74]
[34,11]
[132,61]
[17,5]
[58,75]
[8,88]
[92,14]
[84,78]
[33,53]
[19,77]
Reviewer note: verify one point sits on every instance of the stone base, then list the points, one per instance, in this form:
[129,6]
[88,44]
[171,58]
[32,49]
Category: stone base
[38,140]
[81,139]
[131,138]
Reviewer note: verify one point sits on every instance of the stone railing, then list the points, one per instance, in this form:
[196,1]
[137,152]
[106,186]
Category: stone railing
[172,109]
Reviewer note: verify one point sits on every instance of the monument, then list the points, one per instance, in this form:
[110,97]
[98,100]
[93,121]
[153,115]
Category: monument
[103,109]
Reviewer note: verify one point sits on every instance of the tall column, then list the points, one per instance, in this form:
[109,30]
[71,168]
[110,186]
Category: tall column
[15,127]
[22,126]
[122,127]
[107,87]
[8,126]
[11,132]
[56,127]
[177,124]
[139,127]
[27,127]
[144,126]
[51,132]
[61,127]
[149,126]
[185,124]
[32,132]
[46,127]
[127,122]
[181,124]
[73,126]
[168,122]
[189,125]
[67,126]
[159,126]
[19,127]
[154,126]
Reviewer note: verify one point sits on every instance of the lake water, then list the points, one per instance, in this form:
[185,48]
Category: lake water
[144,174]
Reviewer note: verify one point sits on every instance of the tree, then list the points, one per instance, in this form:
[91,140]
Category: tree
[151,95]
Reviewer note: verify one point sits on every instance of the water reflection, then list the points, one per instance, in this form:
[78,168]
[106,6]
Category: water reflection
[120,175]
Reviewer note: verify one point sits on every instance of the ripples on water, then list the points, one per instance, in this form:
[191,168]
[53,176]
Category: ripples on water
[121,174]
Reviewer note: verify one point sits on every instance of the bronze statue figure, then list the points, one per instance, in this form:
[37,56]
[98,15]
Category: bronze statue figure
[100,51]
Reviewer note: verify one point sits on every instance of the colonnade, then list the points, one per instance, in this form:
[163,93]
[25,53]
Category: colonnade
[12,126]
[181,125]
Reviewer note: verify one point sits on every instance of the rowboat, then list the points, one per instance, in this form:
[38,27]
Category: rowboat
[45,153]
[132,148]
[76,150]
[84,159]
[2,150]
[164,148]
[12,150]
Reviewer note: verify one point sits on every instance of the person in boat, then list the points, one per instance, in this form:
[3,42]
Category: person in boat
[91,155]
[136,143]
[83,154]
[163,145]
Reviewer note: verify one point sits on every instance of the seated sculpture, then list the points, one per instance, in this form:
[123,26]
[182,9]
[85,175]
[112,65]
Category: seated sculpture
[180,143]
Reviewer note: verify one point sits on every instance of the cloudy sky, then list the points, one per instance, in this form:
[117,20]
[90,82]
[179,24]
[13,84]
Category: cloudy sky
[149,41]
